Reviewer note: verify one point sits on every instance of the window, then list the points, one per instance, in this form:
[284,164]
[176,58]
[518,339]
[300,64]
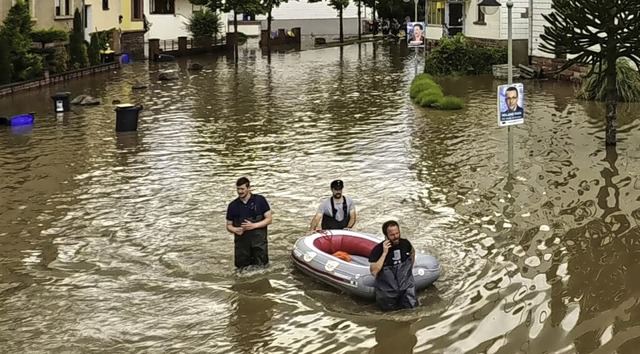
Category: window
[105,5]
[480,20]
[136,10]
[63,7]
[436,13]
[163,7]
[196,8]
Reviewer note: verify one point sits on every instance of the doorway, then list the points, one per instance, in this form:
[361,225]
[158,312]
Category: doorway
[88,22]
[455,18]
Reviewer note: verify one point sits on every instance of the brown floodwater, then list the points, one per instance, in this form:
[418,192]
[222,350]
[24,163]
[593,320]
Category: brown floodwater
[116,242]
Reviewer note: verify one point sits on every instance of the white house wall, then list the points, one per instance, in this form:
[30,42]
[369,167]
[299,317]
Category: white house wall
[434,32]
[103,20]
[319,10]
[315,18]
[489,31]
[540,7]
[169,26]
[520,28]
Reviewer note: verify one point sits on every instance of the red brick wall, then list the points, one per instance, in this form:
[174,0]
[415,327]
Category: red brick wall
[550,65]
[52,79]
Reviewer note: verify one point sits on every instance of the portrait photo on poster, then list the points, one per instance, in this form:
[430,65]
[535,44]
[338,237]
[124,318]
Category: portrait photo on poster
[415,34]
[510,104]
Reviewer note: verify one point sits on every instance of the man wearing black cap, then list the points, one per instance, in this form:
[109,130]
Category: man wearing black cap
[337,212]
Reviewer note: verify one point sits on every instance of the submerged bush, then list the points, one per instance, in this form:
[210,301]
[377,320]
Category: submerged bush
[594,88]
[450,103]
[458,56]
[422,77]
[425,92]
[429,97]
[423,85]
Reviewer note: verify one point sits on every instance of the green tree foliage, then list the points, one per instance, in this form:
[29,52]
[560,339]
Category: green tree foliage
[593,88]
[77,47]
[16,30]
[597,33]
[49,36]
[5,62]
[94,49]
[204,24]
[457,56]
[394,8]
[236,6]
[61,60]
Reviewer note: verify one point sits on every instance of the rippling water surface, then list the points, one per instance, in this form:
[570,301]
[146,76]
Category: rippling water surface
[116,242]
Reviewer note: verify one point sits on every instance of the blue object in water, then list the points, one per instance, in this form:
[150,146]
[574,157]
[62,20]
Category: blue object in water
[21,129]
[124,58]
[22,119]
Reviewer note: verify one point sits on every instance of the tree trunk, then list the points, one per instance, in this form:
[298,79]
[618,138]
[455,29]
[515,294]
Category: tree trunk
[235,24]
[359,22]
[235,35]
[269,30]
[612,101]
[341,29]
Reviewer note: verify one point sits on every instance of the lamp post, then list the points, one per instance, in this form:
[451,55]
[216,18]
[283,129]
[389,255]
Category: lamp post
[490,7]
[415,18]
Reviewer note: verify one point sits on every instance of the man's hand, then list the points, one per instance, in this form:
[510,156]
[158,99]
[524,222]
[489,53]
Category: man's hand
[385,247]
[248,225]
[238,231]
[311,232]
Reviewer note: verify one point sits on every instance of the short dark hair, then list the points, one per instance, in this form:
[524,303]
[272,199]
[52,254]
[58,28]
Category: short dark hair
[512,88]
[242,181]
[387,225]
[418,25]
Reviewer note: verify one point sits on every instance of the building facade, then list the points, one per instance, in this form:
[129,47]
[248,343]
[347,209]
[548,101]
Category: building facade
[46,13]
[101,15]
[132,28]
[313,18]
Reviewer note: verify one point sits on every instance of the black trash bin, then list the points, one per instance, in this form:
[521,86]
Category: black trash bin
[107,56]
[127,117]
[61,102]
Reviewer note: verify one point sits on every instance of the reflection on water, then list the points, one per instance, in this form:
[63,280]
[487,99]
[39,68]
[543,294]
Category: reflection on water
[394,337]
[116,241]
[249,329]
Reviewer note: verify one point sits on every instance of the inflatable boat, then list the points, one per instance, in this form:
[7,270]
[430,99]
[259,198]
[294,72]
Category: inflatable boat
[340,258]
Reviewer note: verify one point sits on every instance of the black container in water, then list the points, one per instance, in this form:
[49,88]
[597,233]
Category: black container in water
[61,102]
[127,117]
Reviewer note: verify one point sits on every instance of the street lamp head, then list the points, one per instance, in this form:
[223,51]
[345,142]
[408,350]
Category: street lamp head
[489,7]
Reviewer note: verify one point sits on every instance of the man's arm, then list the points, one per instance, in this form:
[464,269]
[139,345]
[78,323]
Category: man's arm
[232,229]
[413,256]
[314,222]
[352,218]
[376,267]
[268,218]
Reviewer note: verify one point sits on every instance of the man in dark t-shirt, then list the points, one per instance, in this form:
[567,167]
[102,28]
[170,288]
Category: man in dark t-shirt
[392,264]
[247,218]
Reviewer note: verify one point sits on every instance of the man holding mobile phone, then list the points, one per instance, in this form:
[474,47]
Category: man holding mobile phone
[392,264]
